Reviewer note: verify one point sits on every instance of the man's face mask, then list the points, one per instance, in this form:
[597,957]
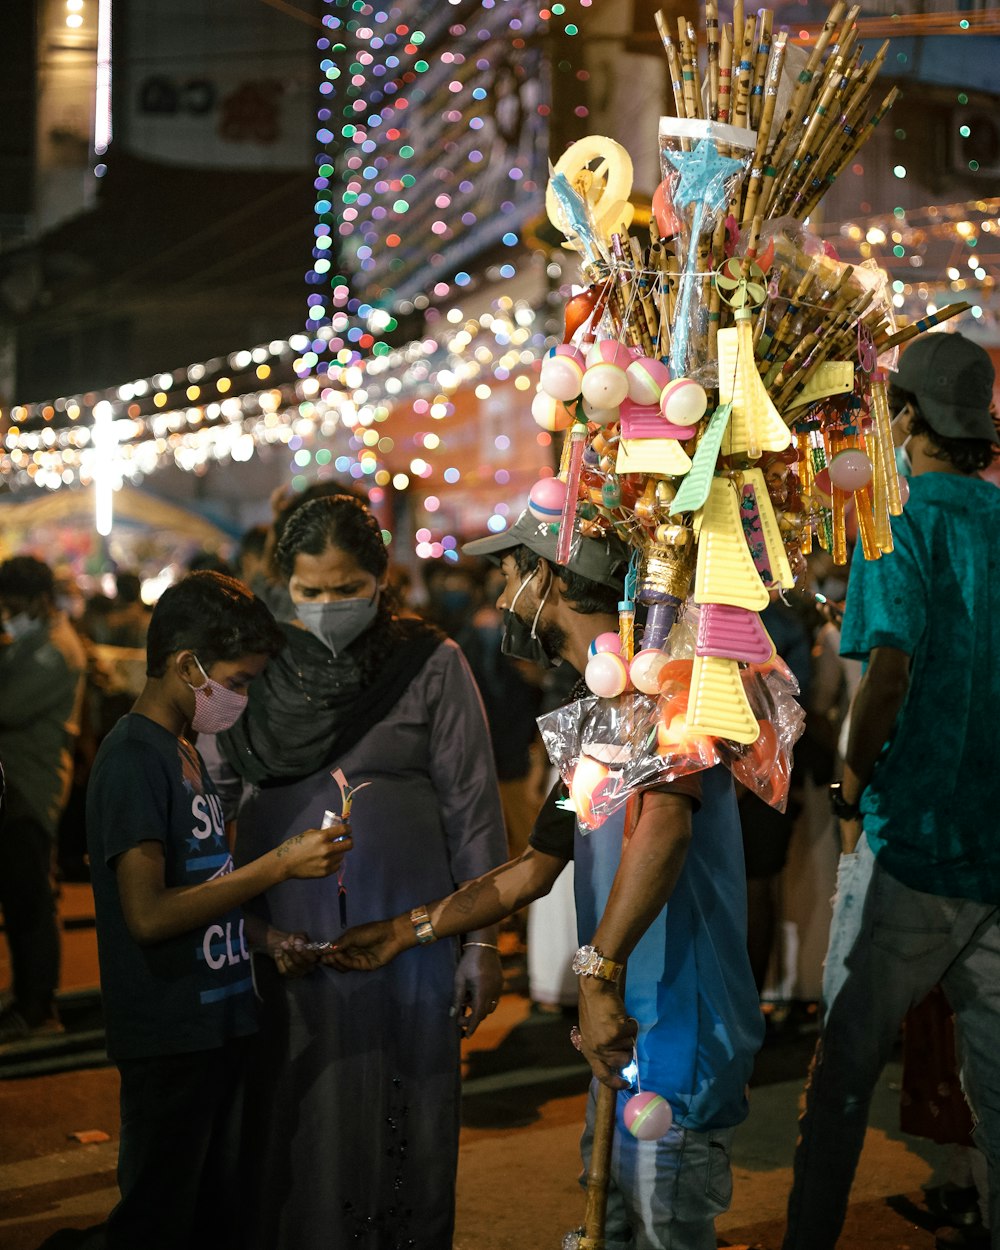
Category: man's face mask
[521,641]
[20,625]
[904,466]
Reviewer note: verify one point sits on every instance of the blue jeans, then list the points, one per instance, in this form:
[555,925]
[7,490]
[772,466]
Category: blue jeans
[888,946]
[665,1194]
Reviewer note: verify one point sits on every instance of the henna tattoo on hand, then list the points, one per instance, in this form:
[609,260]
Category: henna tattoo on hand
[286,847]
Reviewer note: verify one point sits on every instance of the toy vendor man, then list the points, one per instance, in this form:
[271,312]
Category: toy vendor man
[672,904]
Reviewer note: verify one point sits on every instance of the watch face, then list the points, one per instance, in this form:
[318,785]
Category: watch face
[584,959]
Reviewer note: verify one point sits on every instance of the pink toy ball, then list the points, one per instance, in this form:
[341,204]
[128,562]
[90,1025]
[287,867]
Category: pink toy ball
[596,415]
[605,642]
[646,380]
[683,402]
[551,414]
[562,373]
[604,385]
[648,1116]
[545,502]
[606,675]
[851,469]
[646,669]
[904,490]
[608,352]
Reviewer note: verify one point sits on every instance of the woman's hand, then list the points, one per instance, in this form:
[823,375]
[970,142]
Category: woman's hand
[288,950]
[478,986]
[367,947]
[607,1033]
[314,852]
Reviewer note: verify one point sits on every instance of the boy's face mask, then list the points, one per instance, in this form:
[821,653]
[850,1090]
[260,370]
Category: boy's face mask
[216,707]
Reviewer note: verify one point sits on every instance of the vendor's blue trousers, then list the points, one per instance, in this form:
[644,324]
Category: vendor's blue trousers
[665,1194]
[888,946]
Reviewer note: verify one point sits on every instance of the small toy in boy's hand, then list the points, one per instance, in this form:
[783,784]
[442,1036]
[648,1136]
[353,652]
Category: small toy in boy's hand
[347,794]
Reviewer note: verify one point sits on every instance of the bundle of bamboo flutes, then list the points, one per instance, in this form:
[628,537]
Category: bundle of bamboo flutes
[832,110]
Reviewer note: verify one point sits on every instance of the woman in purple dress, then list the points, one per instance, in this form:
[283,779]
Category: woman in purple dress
[354,1105]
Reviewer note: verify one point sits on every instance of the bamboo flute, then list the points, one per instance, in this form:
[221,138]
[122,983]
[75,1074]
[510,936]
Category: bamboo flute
[778,378]
[742,81]
[674,67]
[801,96]
[785,327]
[859,139]
[918,327]
[624,292]
[829,86]
[764,129]
[712,39]
[736,45]
[689,68]
[816,168]
[646,305]
[853,106]
[725,74]
[765,19]
[827,339]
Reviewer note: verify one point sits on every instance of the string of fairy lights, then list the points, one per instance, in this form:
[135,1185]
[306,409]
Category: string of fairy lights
[397,216]
[931,254]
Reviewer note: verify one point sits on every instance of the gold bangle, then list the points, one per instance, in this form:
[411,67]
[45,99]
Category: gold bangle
[421,922]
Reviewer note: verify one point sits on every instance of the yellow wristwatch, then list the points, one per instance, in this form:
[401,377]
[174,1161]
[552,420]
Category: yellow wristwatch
[589,962]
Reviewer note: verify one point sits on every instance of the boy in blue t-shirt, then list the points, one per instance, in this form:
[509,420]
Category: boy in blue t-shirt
[175,967]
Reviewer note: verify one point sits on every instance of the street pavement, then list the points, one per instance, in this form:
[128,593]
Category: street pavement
[524,1094]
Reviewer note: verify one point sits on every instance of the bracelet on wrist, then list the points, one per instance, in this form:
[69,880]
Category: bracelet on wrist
[421,921]
[490,946]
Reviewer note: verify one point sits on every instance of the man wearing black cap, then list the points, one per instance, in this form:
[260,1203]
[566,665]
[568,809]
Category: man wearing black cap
[920,793]
[672,903]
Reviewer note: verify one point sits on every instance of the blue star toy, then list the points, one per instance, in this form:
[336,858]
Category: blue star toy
[705,183]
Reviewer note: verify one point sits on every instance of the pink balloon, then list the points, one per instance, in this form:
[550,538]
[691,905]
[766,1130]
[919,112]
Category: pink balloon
[648,1116]
[605,642]
[851,469]
[646,379]
[608,352]
[546,498]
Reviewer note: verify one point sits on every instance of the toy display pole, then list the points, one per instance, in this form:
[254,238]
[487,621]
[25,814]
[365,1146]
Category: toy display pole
[599,1172]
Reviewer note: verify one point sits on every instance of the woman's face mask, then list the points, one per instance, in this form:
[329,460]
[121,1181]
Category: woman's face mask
[521,641]
[338,623]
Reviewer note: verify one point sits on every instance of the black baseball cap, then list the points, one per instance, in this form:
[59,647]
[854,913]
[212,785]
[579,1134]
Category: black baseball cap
[952,378]
[603,560]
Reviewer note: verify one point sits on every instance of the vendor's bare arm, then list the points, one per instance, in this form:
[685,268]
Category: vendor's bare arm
[476,905]
[650,864]
[646,876]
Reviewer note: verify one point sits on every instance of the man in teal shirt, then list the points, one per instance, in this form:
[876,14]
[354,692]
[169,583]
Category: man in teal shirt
[920,797]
